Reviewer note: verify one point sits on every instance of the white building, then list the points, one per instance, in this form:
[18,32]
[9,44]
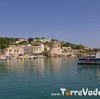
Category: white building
[31,49]
[24,49]
[47,48]
[27,49]
[14,51]
[43,40]
[21,40]
[38,49]
[65,49]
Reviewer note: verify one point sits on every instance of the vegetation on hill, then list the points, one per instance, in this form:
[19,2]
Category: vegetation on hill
[30,40]
[23,43]
[5,42]
[73,46]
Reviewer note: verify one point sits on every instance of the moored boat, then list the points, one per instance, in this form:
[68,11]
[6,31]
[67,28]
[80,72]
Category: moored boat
[41,56]
[90,60]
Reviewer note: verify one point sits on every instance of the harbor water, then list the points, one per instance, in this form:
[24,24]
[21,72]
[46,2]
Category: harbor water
[38,78]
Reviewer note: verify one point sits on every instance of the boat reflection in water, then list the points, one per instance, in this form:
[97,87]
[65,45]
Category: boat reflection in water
[89,74]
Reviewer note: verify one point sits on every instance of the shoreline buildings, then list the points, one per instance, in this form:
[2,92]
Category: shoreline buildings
[53,50]
[24,50]
[39,46]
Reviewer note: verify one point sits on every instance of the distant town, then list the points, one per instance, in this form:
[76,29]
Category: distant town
[38,47]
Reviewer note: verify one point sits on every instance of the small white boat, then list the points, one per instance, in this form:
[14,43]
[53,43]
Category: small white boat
[33,57]
[73,55]
[41,56]
[3,58]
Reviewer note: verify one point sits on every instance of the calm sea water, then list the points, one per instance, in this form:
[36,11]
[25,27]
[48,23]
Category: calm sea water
[38,78]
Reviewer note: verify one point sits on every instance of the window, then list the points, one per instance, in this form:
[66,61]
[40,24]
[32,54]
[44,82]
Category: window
[17,50]
[14,50]
[10,50]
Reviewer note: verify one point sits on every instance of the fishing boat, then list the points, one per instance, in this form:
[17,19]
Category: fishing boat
[90,60]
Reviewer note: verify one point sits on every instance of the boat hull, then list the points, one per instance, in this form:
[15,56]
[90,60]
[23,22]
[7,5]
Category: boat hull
[89,61]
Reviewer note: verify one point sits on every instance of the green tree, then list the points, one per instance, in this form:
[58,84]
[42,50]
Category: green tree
[73,46]
[5,42]
[30,40]
[23,43]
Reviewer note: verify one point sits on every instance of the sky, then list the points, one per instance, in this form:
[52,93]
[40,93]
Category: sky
[76,21]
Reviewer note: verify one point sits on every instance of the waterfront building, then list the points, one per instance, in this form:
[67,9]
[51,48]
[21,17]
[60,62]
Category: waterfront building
[55,48]
[38,49]
[47,48]
[27,49]
[65,49]
[24,49]
[14,51]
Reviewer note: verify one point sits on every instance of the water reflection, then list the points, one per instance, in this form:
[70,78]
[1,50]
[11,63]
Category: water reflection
[25,78]
[39,65]
[67,67]
[3,66]
[25,66]
[53,64]
[89,73]
[15,65]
